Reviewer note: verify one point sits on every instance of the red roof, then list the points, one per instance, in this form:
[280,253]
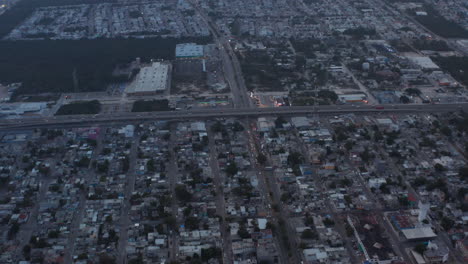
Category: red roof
[411,198]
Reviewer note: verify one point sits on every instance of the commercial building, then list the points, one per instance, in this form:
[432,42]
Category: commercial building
[189,50]
[353,98]
[151,80]
[423,62]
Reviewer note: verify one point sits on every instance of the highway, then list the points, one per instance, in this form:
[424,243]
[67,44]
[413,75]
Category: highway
[36,122]
[231,66]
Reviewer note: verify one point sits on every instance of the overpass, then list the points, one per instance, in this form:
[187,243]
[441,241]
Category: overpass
[57,121]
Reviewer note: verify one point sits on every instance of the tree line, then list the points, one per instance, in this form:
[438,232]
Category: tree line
[77,65]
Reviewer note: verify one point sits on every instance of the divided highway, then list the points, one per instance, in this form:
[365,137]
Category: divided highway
[31,122]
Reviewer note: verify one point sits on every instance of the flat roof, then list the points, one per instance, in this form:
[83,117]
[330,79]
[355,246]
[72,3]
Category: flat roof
[151,79]
[189,50]
[423,62]
[418,233]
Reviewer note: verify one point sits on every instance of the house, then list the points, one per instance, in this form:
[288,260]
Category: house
[436,253]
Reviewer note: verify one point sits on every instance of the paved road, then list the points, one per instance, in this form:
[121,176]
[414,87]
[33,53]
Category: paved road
[231,65]
[264,186]
[79,214]
[125,221]
[340,226]
[31,122]
[218,180]
[173,174]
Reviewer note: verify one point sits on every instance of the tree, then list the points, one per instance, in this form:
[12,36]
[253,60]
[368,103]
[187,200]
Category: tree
[83,162]
[125,164]
[295,158]
[217,127]
[413,91]
[463,173]
[103,167]
[404,99]
[447,223]
[366,155]
[27,251]
[54,234]
[106,259]
[308,234]
[243,233]
[420,248]
[349,230]
[182,194]
[270,226]
[232,169]
[80,108]
[261,158]
[328,222]
[170,221]
[150,165]
[349,145]
[439,167]
[13,230]
[279,121]
[209,253]
[237,127]
[330,95]
[446,131]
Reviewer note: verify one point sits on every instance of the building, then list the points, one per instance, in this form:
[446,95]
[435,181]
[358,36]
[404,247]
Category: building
[436,253]
[266,251]
[418,233]
[462,245]
[423,62]
[353,98]
[151,80]
[189,50]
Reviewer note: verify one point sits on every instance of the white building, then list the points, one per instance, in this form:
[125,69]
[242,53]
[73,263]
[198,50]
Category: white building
[151,80]
[189,50]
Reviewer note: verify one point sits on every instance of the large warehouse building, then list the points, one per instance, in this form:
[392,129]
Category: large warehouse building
[189,50]
[153,79]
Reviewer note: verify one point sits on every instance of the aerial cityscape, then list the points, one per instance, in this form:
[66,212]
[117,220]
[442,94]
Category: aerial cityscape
[233,132]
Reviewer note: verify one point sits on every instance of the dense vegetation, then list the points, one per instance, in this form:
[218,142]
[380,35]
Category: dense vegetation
[49,65]
[80,108]
[456,66]
[360,32]
[151,106]
[59,66]
[436,45]
[441,26]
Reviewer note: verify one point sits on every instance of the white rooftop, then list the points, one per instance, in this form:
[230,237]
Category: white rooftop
[153,78]
[423,62]
[189,50]
[418,233]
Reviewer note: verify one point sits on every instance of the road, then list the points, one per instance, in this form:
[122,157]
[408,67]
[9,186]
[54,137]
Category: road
[172,170]
[442,234]
[31,122]
[78,215]
[453,46]
[220,202]
[231,66]
[125,222]
[340,226]
[270,196]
